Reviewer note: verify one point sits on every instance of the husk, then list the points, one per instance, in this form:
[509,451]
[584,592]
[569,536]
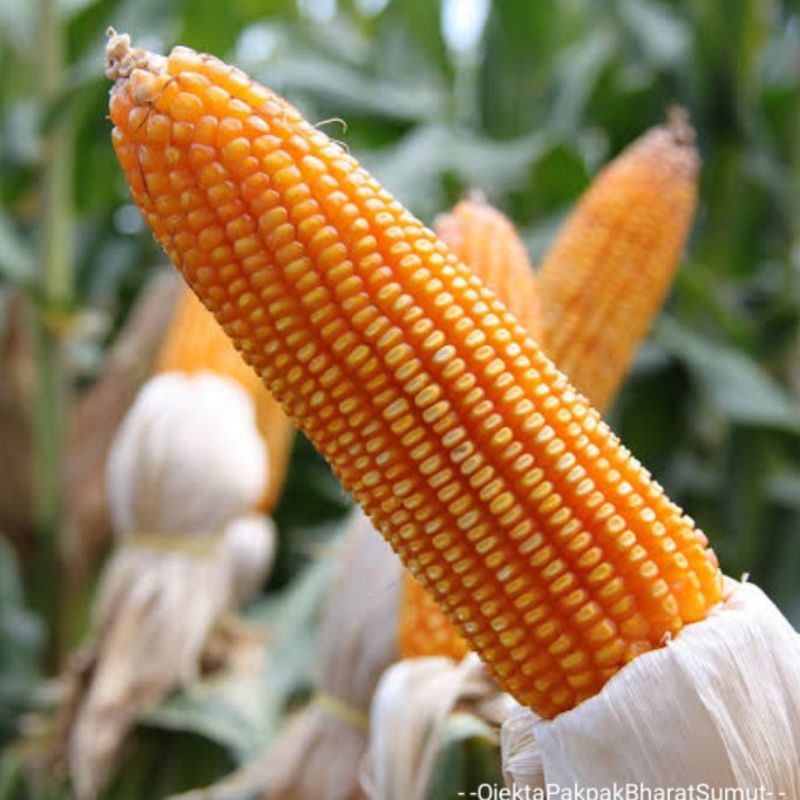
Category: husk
[356,643]
[195,343]
[95,419]
[318,754]
[250,546]
[412,703]
[187,463]
[522,761]
[303,754]
[187,459]
[718,706]
[145,645]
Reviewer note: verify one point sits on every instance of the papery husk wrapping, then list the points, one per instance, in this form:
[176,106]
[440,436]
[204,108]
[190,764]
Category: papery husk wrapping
[187,464]
[718,706]
[412,703]
[155,610]
[522,761]
[187,459]
[318,754]
[95,419]
[250,546]
[195,343]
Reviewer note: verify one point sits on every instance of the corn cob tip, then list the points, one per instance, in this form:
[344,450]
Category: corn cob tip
[484,239]
[680,126]
[674,144]
[444,219]
[477,196]
[470,197]
[122,59]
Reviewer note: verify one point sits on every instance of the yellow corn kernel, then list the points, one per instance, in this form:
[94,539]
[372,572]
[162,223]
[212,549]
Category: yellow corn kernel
[487,242]
[423,628]
[348,277]
[194,343]
[605,277]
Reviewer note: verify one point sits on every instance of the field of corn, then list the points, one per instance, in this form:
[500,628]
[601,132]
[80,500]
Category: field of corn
[192,603]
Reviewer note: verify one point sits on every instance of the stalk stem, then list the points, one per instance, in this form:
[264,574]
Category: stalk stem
[55,288]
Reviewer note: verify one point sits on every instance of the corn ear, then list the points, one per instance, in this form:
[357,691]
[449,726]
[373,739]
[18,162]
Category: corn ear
[486,241]
[606,275]
[423,628]
[554,552]
[195,343]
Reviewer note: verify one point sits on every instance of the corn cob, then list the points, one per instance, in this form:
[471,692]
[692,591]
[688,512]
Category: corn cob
[195,343]
[606,275]
[580,288]
[423,628]
[553,551]
[487,242]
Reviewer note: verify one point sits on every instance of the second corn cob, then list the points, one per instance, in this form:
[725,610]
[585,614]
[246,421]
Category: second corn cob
[552,549]
[606,275]
[195,343]
[602,283]
[487,242]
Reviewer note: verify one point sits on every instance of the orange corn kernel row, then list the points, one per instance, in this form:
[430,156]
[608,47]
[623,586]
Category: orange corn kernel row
[423,628]
[488,243]
[552,550]
[195,342]
[605,277]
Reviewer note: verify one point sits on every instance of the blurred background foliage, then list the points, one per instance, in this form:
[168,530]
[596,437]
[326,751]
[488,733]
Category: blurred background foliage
[524,100]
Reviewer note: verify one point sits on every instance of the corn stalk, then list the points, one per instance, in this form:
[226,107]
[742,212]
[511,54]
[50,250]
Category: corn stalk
[55,295]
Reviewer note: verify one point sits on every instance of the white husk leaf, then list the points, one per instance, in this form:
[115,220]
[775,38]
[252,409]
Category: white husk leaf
[522,761]
[409,711]
[318,754]
[95,419]
[358,631]
[719,705]
[250,545]
[187,462]
[187,459]
[144,645]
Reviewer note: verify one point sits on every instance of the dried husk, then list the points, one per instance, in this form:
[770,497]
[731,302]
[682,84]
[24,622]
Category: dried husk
[187,459]
[16,400]
[145,645]
[522,762]
[318,754]
[412,703]
[95,418]
[186,466]
[718,706]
